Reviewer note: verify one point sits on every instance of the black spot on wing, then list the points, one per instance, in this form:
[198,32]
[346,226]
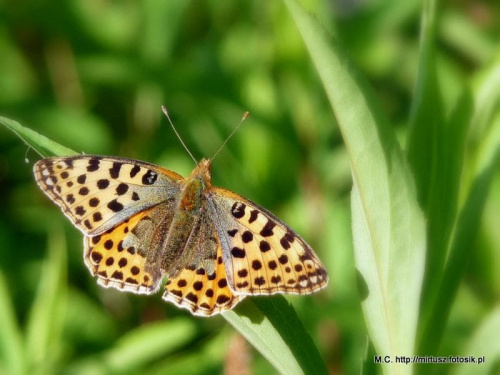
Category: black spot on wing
[243,273]
[115,206]
[284,243]
[114,171]
[134,171]
[259,281]
[256,265]
[238,210]
[149,177]
[96,257]
[276,279]
[122,262]
[253,216]
[192,297]
[94,202]
[131,280]
[222,299]
[247,236]
[80,211]
[83,191]
[103,183]
[175,292]
[93,164]
[267,231]
[121,189]
[264,246]
[283,259]
[238,252]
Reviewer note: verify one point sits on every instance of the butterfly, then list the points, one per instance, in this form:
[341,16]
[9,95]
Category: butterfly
[142,222]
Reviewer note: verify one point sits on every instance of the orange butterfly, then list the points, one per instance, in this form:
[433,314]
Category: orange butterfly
[141,222]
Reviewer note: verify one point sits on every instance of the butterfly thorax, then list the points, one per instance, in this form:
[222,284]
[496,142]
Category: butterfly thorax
[195,187]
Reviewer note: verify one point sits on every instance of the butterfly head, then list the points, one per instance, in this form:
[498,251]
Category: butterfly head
[203,171]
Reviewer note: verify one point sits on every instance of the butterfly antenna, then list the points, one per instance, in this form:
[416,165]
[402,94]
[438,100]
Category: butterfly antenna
[245,116]
[177,134]
[26,160]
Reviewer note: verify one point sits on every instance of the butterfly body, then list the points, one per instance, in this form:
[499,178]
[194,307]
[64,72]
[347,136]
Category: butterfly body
[142,222]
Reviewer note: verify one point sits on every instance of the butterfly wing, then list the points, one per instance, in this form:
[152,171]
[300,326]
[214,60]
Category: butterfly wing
[262,254]
[201,286]
[201,293]
[126,209]
[119,257]
[96,193]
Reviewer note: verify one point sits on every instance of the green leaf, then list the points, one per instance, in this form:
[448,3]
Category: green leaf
[38,142]
[485,136]
[46,317]
[425,145]
[271,325]
[484,344]
[136,349]
[442,215]
[435,154]
[207,359]
[388,226]
[11,346]
[150,342]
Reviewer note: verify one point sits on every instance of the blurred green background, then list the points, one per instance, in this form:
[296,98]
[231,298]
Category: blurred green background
[92,75]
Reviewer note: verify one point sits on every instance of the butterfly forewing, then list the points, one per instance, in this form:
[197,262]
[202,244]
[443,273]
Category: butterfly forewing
[96,193]
[262,254]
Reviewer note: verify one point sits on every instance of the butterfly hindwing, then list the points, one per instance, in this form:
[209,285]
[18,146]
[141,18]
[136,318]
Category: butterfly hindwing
[96,193]
[201,292]
[262,254]
[201,284]
[127,256]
